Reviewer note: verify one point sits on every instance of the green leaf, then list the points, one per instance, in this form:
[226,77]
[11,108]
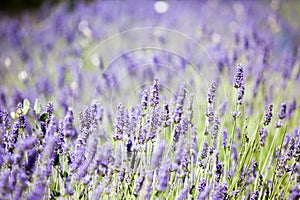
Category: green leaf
[43,117]
[37,107]
[65,175]
[26,106]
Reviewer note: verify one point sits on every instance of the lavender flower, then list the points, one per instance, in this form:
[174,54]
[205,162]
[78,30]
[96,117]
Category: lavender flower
[204,150]
[178,153]
[219,171]
[4,187]
[268,115]
[163,177]
[179,104]
[139,183]
[291,149]
[154,99]
[13,136]
[240,94]
[202,185]
[154,124]
[190,108]
[292,107]
[49,110]
[38,191]
[165,118]
[220,191]
[239,77]
[31,163]
[205,194]
[144,99]
[21,185]
[215,130]
[158,154]
[255,195]
[119,127]
[147,189]
[49,155]
[294,193]
[263,136]
[282,112]
[97,191]
[224,138]
[209,112]
[211,95]
[183,194]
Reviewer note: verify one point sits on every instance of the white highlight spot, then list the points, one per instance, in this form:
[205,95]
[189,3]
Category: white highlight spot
[83,27]
[95,60]
[161,6]
[23,75]
[7,62]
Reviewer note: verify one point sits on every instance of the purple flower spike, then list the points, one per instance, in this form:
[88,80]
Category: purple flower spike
[224,138]
[240,94]
[239,77]
[163,177]
[154,99]
[180,103]
[69,130]
[144,99]
[211,95]
[282,111]
[268,116]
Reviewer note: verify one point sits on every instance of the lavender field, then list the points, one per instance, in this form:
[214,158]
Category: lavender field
[151,100]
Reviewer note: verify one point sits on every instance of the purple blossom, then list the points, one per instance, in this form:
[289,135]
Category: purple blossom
[211,95]
[144,99]
[38,191]
[202,185]
[4,179]
[268,115]
[147,189]
[239,77]
[154,98]
[220,191]
[154,123]
[165,117]
[12,140]
[240,94]
[224,137]
[219,171]
[139,182]
[69,130]
[282,111]
[255,195]
[183,194]
[215,130]
[294,193]
[97,191]
[179,104]
[163,177]
[263,135]
[204,150]
[190,108]
[119,126]
[158,154]
[292,107]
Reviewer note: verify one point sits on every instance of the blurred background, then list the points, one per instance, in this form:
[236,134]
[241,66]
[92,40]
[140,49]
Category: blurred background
[54,50]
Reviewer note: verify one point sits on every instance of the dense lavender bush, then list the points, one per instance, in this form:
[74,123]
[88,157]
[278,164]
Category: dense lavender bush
[137,103]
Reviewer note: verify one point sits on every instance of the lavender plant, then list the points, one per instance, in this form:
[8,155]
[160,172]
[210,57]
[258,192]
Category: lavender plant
[65,133]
